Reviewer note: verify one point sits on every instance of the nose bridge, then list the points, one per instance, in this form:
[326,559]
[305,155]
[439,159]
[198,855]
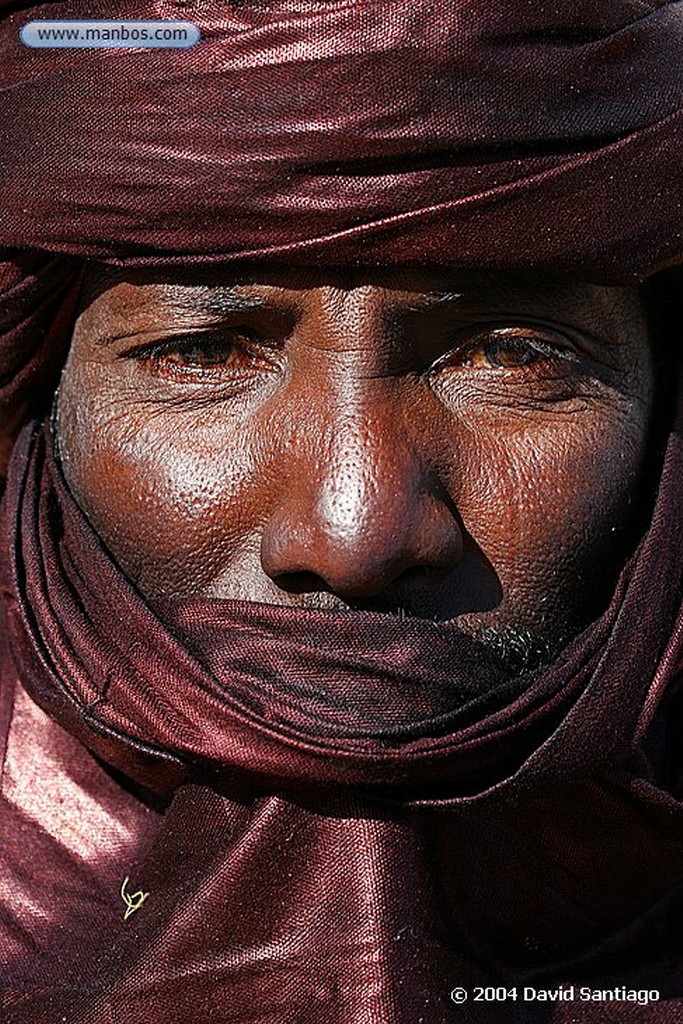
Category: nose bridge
[353,446]
[368,470]
[360,508]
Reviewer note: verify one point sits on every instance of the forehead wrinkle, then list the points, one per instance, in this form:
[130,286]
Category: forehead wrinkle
[477,292]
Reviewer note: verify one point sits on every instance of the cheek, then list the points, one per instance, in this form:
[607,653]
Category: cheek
[178,492]
[548,506]
[172,496]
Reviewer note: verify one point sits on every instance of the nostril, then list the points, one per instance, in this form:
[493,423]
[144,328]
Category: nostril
[414,538]
[300,582]
[311,583]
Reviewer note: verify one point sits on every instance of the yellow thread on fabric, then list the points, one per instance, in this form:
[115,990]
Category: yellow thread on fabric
[133,901]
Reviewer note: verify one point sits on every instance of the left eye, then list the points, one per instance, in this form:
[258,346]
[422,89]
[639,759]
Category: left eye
[511,349]
[504,353]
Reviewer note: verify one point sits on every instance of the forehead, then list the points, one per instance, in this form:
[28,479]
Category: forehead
[393,286]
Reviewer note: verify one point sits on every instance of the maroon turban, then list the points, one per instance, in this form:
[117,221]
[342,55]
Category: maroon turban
[450,132]
[302,862]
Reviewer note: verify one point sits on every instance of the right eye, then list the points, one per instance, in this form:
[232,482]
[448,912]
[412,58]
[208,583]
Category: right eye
[233,352]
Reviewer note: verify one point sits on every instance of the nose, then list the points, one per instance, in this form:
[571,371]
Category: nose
[362,512]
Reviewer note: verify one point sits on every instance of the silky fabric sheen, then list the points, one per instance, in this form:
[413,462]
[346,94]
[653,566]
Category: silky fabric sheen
[546,136]
[350,133]
[292,695]
[290,824]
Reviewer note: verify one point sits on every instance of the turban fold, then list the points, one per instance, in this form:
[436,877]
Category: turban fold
[299,873]
[336,845]
[452,132]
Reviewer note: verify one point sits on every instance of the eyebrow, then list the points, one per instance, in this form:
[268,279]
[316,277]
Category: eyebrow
[430,300]
[221,301]
[224,300]
[477,291]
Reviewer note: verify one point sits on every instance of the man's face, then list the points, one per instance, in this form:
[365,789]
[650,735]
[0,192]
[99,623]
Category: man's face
[464,447]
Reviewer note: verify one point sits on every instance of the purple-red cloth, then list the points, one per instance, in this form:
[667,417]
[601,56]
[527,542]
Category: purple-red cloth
[279,696]
[532,135]
[457,133]
[38,295]
[326,831]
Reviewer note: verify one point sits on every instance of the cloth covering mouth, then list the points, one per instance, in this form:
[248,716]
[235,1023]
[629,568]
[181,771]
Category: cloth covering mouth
[306,864]
[310,863]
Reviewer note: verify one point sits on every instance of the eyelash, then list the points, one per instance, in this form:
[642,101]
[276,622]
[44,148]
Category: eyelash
[244,341]
[514,340]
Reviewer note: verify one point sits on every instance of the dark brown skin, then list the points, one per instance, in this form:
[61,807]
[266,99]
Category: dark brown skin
[465,447]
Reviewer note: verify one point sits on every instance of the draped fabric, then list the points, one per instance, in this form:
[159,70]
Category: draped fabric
[305,860]
[315,817]
[38,296]
[344,132]
[284,696]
